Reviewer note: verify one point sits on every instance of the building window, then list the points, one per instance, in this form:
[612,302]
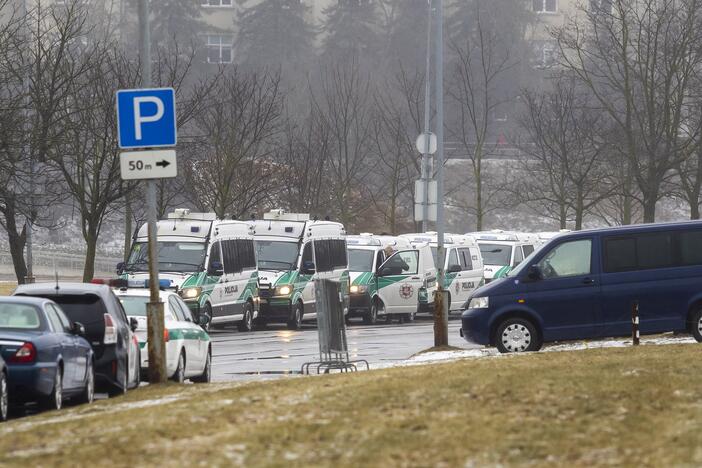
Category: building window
[217,3]
[545,6]
[604,6]
[219,48]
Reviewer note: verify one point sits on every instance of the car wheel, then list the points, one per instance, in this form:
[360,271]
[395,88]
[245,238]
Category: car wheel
[207,312]
[206,376]
[55,400]
[4,398]
[246,324]
[371,317]
[295,321]
[516,335]
[88,394]
[696,325]
[179,375]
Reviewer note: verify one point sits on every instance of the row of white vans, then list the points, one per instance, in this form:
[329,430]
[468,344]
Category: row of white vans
[261,271]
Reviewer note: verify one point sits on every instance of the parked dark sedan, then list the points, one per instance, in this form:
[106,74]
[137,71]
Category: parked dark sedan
[115,348]
[47,358]
[4,398]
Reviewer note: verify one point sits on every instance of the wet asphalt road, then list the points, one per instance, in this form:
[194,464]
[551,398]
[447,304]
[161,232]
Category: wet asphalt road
[278,352]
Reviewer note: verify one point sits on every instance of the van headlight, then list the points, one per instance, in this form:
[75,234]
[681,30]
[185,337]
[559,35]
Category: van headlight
[190,293]
[283,290]
[479,303]
[358,289]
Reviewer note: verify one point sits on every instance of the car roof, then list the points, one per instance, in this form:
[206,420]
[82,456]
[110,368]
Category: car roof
[35,301]
[57,289]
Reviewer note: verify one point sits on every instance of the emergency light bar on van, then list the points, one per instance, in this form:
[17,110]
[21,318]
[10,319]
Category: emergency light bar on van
[362,241]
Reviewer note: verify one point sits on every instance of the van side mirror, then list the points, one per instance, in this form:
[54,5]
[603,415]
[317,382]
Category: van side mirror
[216,268]
[133,324]
[454,269]
[203,320]
[534,273]
[120,267]
[308,268]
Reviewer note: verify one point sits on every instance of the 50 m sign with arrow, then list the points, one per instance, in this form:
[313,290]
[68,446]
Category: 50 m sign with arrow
[148,164]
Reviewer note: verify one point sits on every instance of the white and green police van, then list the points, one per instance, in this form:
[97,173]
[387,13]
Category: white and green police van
[503,250]
[209,261]
[367,252]
[463,264]
[292,251]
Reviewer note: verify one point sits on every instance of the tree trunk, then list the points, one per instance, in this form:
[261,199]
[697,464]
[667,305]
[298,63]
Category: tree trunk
[695,210]
[563,215]
[90,250]
[628,201]
[127,227]
[17,241]
[478,200]
[649,207]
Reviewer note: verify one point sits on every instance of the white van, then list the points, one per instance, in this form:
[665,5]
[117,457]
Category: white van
[463,264]
[367,252]
[210,262]
[292,251]
[503,250]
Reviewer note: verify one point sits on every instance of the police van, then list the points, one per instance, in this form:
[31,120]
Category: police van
[367,252]
[292,250]
[503,250]
[463,264]
[209,261]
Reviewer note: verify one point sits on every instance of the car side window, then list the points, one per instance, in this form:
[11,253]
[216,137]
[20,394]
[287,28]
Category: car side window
[568,259]
[184,309]
[62,317]
[175,309]
[528,250]
[53,319]
[518,255]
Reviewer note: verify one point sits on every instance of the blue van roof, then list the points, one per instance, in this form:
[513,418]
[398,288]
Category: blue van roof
[632,228]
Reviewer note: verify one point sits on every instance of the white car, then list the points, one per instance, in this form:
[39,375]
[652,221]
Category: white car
[188,346]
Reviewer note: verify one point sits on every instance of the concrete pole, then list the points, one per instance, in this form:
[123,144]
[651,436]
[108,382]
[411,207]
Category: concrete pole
[154,312]
[426,158]
[440,301]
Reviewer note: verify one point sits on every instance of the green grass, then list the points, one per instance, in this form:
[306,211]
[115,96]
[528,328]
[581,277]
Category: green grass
[7,287]
[624,407]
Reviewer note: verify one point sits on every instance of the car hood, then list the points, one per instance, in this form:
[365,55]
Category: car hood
[496,287]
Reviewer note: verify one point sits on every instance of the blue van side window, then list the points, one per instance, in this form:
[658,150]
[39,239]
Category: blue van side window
[568,259]
[640,252]
[691,248]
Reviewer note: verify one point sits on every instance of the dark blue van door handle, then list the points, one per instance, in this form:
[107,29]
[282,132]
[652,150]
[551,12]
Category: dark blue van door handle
[588,281]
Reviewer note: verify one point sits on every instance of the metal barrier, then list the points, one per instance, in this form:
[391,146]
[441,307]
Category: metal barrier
[331,329]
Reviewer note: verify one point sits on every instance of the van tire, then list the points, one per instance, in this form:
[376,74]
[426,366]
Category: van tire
[696,324]
[525,336]
[371,317]
[295,321]
[246,323]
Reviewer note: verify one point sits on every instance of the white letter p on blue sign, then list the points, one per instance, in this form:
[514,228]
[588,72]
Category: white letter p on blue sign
[146,118]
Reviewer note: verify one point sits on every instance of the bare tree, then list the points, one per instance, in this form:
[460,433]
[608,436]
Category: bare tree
[638,60]
[567,174]
[230,169]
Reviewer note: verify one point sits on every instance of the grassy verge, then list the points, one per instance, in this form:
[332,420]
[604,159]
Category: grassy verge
[597,407]
[6,287]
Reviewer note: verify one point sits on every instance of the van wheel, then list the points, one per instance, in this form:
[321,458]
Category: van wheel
[516,335]
[207,312]
[371,317]
[295,321]
[246,324]
[696,325]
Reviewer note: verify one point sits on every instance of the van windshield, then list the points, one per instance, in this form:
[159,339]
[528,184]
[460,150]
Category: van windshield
[360,260]
[496,254]
[180,257]
[276,255]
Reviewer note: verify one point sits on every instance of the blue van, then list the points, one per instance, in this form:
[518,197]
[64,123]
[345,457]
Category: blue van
[584,284]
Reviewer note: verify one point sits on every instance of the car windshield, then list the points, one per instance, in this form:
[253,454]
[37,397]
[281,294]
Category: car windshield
[496,254]
[19,316]
[135,306]
[361,260]
[181,257]
[276,255]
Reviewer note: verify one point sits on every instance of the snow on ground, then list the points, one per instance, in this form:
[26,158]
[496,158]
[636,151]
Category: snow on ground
[454,355]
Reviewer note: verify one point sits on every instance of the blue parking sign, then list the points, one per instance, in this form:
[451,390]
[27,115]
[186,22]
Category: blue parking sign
[146,118]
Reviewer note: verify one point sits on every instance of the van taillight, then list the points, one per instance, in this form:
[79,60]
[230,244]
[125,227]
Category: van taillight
[166,335]
[110,331]
[26,354]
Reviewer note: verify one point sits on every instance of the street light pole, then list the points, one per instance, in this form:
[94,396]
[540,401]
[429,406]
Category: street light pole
[154,313]
[426,161]
[440,301]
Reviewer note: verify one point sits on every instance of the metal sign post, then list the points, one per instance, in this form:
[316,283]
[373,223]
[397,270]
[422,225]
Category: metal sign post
[441,300]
